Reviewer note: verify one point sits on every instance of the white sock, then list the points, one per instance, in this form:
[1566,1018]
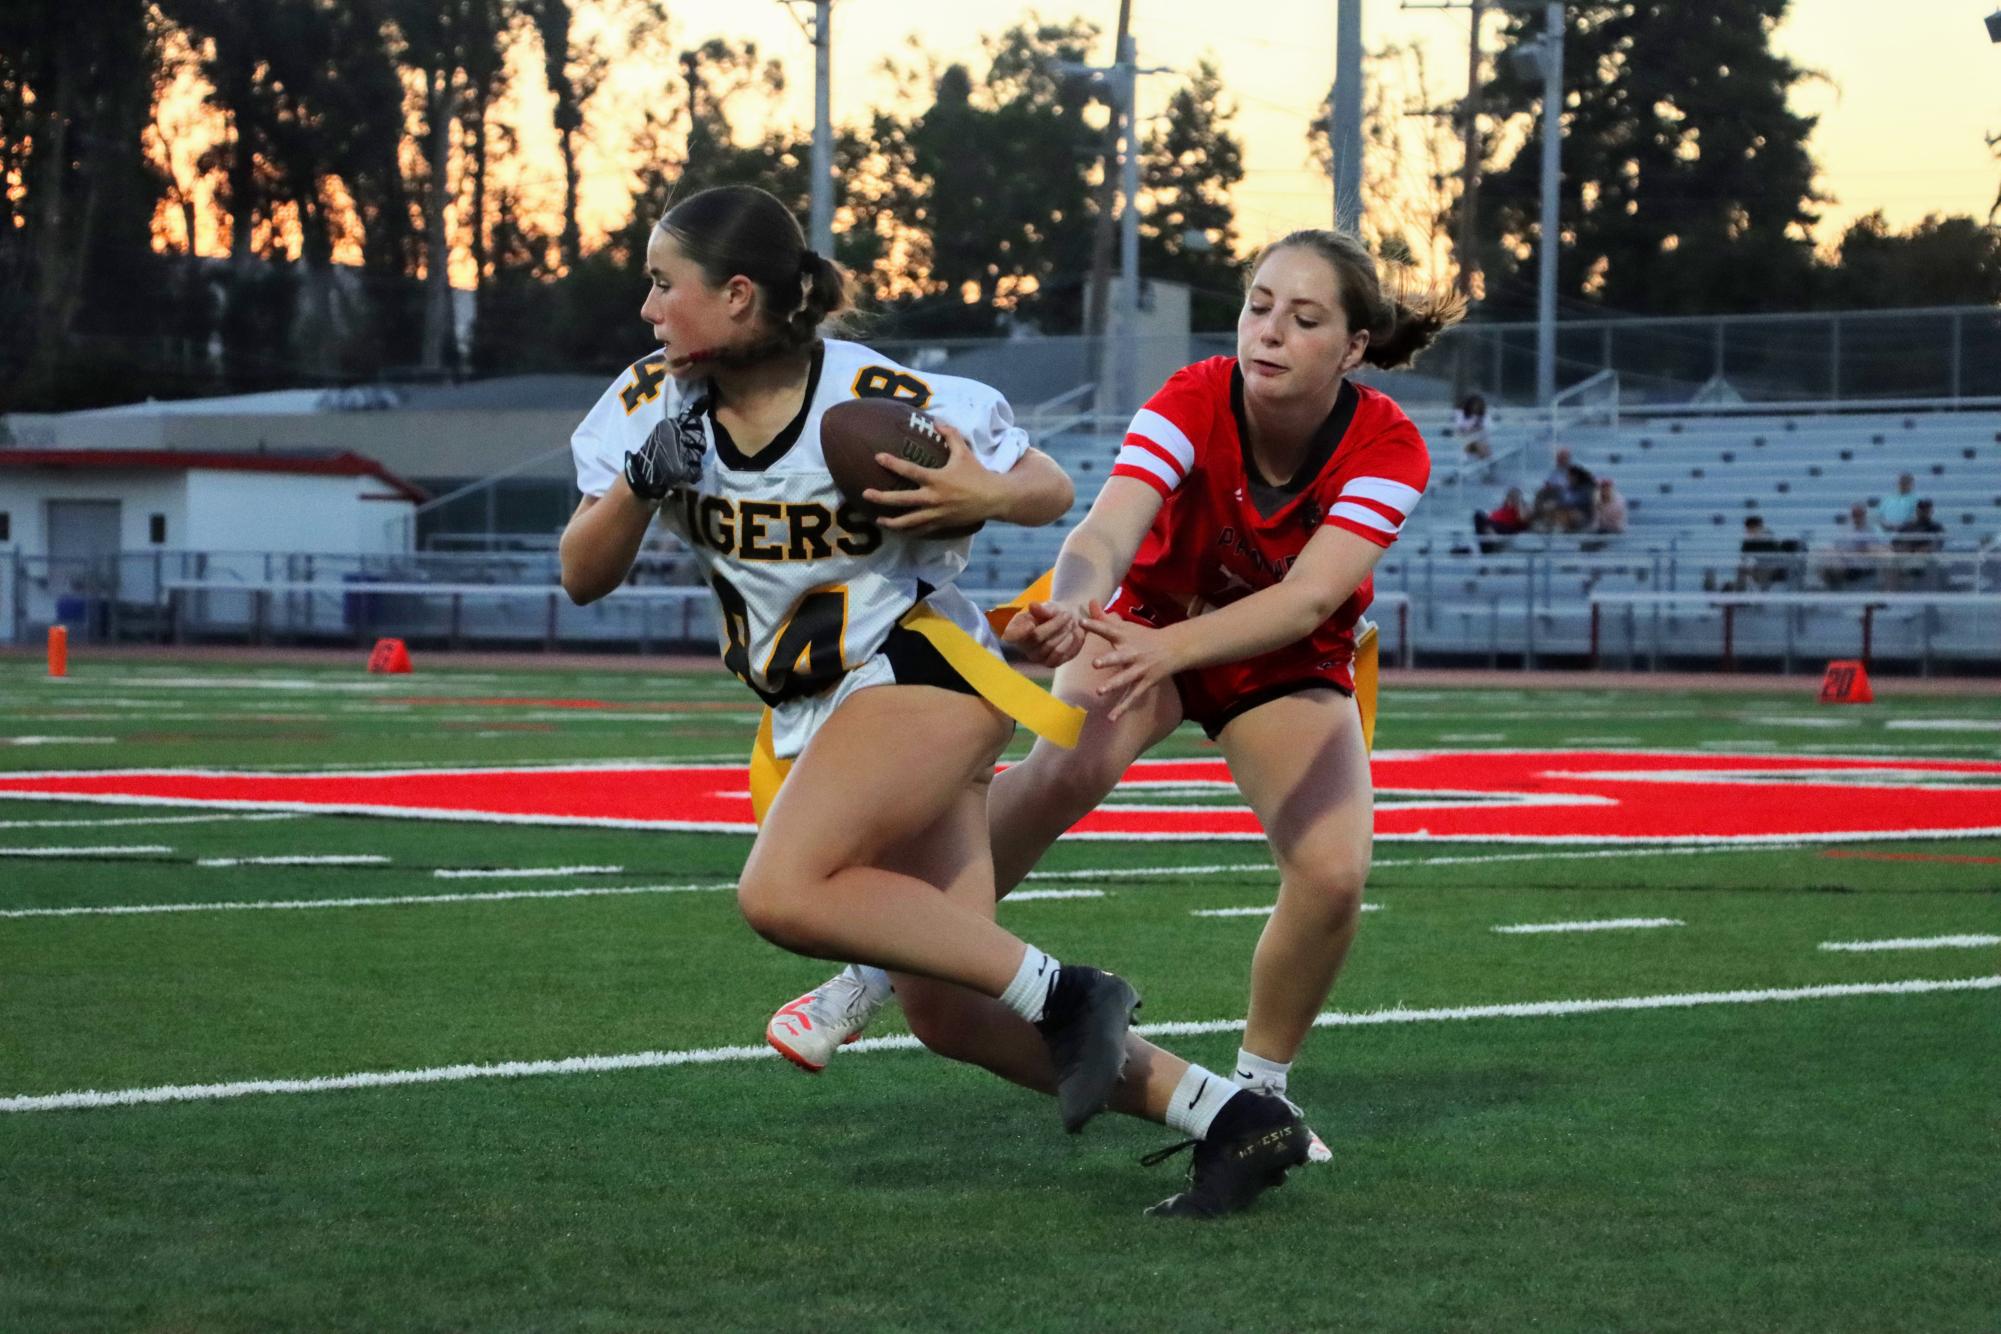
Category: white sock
[874,981]
[1197,1098]
[1255,1072]
[1033,981]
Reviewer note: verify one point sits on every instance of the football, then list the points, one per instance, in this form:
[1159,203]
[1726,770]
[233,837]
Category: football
[853,433]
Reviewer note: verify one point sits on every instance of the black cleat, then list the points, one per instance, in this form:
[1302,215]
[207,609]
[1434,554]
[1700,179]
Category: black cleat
[1084,1025]
[1255,1140]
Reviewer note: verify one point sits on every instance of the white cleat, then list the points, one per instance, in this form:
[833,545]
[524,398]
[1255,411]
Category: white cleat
[1316,1148]
[809,1030]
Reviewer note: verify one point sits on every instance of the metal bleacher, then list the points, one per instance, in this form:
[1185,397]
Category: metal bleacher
[1690,480]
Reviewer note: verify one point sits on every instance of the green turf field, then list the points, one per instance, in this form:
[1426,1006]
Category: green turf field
[1778,1138]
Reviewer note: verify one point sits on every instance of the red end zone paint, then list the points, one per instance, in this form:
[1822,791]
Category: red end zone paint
[1465,796]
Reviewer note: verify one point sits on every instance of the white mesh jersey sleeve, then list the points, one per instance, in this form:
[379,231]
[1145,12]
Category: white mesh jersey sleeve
[983,416]
[624,415]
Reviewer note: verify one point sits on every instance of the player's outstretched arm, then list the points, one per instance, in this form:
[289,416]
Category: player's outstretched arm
[601,542]
[1327,573]
[1094,558]
[1099,551]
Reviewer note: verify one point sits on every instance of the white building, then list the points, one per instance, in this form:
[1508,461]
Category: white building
[87,503]
[77,524]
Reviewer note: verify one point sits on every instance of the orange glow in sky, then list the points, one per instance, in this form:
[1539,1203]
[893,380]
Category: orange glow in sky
[1908,96]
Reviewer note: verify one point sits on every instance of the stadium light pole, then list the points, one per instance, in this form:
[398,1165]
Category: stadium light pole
[821,230]
[1123,79]
[1545,56]
[1552,170]
[1344,121]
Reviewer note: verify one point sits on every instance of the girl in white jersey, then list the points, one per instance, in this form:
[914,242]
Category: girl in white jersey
[886,698]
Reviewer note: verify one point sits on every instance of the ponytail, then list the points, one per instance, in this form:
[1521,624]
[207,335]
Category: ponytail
[740,229]
[1400,323]
[826,290]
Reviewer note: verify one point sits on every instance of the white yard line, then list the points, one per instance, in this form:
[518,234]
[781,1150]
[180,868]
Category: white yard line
[58,740]
[1021,895]
[399,901]
[647,1060]
[1599,924]
[123,850]
[1914,943]
[524,872]
[1257,912]
[1151,872]
[140,820]
[326,859]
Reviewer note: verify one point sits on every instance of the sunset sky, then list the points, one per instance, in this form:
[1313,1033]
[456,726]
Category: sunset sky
[1906,95]
[1910,91]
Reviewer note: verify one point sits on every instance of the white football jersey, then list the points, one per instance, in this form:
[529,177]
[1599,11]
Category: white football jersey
[808,585]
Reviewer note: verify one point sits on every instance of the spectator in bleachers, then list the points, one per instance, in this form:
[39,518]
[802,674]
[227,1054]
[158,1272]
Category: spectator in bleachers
[1894,511]
[1921,533]
[1470,424]
[1563,502]
[1580,497]
[1766,557]
[1852,563]
[1608,508]
[1559,475]
[1917,541]
[1511,516]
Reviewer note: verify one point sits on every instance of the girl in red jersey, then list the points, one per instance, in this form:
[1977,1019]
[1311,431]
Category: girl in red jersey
[1218,579]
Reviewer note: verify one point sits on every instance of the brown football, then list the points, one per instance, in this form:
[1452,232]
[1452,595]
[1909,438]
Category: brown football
[854,432]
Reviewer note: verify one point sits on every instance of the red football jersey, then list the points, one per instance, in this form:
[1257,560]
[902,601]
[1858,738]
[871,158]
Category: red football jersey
[1223,532]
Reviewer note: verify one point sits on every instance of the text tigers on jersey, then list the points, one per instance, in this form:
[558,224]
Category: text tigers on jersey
[775,530]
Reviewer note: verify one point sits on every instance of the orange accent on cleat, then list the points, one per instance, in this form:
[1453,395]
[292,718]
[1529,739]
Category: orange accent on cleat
[794,1056]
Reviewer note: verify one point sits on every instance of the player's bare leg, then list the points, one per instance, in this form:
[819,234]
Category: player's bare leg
[881,776]
[880,771]
[1033,803]
[1300,762]
[956,856]
[1036,801]
[1244,1140]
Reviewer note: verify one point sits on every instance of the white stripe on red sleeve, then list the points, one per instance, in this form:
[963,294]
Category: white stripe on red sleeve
[1144,456]
[1146,469]
[1374,508]
[1396,495]
[1150,425]
[1347,514]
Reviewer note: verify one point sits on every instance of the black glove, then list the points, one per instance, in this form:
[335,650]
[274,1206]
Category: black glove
[671,458]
